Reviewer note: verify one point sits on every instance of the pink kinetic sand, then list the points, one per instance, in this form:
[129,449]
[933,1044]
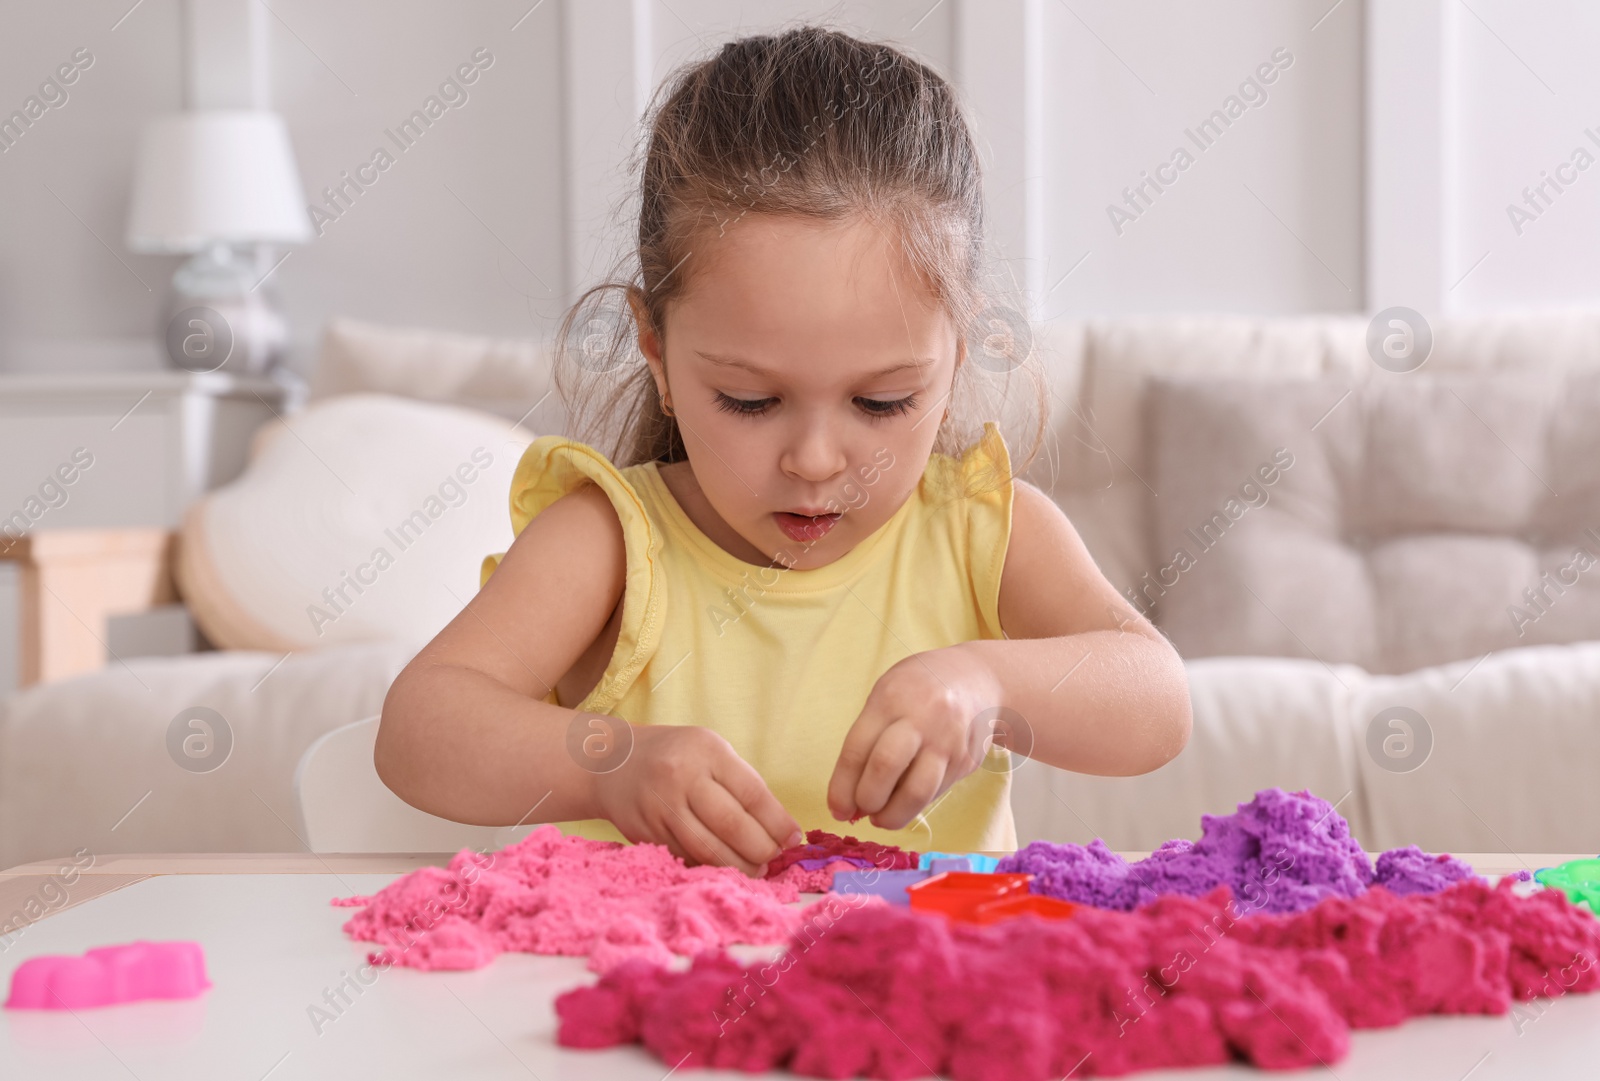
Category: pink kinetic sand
[554,894]
[882,991]
[817,878]
[1281,852]
[108,975]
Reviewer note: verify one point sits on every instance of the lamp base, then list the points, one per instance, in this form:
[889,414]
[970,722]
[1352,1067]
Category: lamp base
[221,316]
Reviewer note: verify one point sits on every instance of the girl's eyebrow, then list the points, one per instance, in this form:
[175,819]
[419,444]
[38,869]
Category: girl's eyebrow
[736,362]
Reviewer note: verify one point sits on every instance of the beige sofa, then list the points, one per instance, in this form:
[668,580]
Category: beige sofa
[1400,621]
[1309,662]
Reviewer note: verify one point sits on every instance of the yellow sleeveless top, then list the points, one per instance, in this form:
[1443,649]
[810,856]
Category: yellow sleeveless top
[778,661]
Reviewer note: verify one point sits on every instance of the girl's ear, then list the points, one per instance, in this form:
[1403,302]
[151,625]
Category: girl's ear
[964,332]
[649,339]
[961,358]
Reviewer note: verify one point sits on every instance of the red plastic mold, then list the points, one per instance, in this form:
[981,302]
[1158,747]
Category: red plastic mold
[958,894]
[109,975]
[1029,904]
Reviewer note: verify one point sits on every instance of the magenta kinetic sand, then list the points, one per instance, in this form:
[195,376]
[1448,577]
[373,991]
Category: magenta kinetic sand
[809,867]
[1281,852]
[886,992]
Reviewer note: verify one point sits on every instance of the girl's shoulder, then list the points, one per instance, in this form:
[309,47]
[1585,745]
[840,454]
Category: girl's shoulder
[982,470]
[553,467]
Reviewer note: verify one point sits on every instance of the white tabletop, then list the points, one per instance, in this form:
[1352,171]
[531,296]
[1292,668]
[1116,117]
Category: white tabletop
[273,946]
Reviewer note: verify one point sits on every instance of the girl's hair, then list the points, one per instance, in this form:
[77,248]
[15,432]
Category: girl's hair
[810,123]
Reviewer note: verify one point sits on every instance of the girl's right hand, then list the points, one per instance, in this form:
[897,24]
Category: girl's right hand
[685,787]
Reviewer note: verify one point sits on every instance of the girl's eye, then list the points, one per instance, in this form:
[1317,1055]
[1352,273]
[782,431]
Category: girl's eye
[874,407]
[745,407]
[880,408]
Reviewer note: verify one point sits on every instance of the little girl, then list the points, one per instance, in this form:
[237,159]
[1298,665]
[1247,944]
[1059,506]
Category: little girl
[796,593]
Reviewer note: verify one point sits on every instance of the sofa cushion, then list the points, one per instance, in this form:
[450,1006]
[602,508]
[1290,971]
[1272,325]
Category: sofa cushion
[508,376]
[1258,722]
[92,761]
[1104,477]
[1500,757]
[1405,521]
[1497,756]
[361,518]
[1101,474]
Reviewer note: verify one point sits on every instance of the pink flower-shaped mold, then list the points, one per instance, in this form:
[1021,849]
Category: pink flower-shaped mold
[109,975]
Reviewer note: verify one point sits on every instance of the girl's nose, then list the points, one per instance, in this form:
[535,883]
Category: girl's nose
[814,453]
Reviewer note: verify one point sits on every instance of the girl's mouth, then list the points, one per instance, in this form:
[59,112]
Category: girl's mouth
[805,527]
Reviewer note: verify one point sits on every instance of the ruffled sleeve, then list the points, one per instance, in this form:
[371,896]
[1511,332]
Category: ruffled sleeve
[982,478]
[553,466]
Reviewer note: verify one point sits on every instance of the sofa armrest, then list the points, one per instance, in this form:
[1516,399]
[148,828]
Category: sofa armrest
[71,581]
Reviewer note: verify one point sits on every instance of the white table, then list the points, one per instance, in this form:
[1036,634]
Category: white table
[273,947]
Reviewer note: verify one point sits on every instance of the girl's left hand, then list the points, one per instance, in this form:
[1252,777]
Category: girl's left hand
[918,734]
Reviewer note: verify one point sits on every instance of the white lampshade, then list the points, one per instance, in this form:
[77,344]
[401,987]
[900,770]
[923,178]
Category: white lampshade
[216,176]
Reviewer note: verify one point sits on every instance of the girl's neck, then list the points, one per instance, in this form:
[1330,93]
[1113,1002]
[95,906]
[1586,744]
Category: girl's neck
[680,481]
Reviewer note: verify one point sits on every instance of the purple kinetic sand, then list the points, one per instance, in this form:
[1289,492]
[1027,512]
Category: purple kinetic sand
[1411,870]
[1282,852]
[828,861]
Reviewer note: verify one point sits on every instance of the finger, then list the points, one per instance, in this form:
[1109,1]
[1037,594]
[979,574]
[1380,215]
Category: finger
[699,844]
[740,779]
[897,746]
[918,787]
[853,756]
[730,823]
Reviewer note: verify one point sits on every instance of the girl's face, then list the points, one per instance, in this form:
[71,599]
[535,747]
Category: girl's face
[808,369]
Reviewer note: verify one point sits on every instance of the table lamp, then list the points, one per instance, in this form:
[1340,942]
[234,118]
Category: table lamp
[219,184]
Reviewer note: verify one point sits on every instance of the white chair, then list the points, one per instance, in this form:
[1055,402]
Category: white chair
[345,807]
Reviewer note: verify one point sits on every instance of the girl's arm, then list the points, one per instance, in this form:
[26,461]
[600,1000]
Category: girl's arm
[1101,689]
[465,734]
[1081,681]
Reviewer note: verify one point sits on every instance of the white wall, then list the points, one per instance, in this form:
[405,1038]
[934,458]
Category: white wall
[1067,119]
[70,294]
[1377,171]
[1527,87]
[1265,219]
[1471,104]
[464,230]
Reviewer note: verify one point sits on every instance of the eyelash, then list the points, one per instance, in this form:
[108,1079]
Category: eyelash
[740,406]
